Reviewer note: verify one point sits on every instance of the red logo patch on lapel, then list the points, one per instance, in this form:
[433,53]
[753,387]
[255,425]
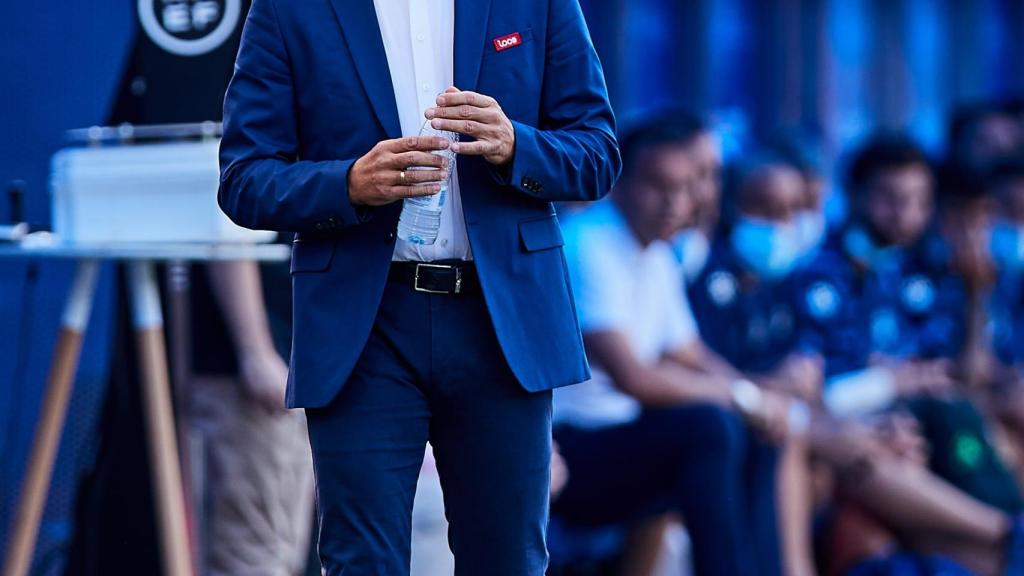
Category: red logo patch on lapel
[510,41]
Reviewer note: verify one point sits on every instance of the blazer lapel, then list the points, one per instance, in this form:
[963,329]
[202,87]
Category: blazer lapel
[470,40]
[358,20]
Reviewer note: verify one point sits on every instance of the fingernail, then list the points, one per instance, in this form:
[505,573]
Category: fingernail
[429,113]
[435,123]
[455,148]
[440,100]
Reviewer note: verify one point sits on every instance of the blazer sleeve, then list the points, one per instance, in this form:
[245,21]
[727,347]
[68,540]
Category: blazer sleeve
[572,154]
[263,183]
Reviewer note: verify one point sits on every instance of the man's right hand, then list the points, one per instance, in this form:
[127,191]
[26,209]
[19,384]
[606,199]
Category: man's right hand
[389,172]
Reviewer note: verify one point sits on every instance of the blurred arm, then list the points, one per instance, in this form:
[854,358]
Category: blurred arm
[666,383]
[236,288]
[698,357]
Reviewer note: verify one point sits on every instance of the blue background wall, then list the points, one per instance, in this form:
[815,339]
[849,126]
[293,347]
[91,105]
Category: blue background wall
[58,64]
[833,68]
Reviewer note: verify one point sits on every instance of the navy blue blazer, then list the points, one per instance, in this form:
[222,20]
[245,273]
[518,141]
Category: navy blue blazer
[311,93]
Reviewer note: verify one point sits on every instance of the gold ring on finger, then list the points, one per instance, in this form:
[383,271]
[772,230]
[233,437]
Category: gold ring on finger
[401,176]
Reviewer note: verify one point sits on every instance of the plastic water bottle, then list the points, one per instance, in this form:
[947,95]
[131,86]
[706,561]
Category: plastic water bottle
[421,216]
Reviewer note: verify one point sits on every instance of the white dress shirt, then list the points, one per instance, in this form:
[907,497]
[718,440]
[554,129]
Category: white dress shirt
[419,37]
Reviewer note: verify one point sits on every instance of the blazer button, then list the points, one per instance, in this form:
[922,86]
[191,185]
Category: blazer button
[319,226]
[391,237]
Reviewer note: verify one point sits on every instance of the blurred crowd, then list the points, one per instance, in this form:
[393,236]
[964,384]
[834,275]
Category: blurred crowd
[805,396]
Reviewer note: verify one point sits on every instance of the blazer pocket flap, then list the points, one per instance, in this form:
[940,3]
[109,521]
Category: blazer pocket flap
[309,256]
[540,233]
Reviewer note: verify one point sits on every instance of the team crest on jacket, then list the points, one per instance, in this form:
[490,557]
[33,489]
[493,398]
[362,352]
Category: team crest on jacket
[822,300]
[918,294]
[722,288]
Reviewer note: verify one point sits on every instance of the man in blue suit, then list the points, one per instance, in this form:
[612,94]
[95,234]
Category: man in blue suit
[395,344]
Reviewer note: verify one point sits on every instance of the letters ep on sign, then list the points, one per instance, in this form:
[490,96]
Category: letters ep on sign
[510,41]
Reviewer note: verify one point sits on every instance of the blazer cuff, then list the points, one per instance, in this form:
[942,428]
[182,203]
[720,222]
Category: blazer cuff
[342,213]
[517,172]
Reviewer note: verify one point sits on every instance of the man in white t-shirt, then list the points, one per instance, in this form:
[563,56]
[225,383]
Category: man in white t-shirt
[663,424]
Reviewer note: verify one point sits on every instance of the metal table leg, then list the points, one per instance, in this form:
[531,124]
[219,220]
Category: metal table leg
[36,483]
[163,445]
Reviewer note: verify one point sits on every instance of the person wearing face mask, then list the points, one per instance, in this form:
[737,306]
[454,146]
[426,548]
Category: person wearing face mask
[747,304]
[883,308]
[663,426]
[812,226]
[999,335]
[1006,184]
[744,311]
[741,299]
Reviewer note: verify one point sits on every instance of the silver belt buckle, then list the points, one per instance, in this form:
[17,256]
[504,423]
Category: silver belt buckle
[458,278]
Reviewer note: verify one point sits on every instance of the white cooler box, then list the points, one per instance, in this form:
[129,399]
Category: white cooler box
[165,192]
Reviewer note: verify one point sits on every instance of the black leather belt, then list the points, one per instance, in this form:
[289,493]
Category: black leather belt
[445,277]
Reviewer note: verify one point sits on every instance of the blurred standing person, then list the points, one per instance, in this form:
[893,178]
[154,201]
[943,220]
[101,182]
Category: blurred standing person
[259,466]
[661,427]
[395,343]
[260,489]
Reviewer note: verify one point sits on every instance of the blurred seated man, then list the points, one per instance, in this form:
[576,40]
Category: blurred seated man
[692,244]
[747,304]
[885,310]
[653,430]
[882,308]
[986,226]
[743,305]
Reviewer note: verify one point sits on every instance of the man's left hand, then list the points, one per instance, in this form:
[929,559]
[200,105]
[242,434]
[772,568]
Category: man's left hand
[264,377]
[478,116]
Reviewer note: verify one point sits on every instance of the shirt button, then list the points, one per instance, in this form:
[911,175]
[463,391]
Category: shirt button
[444,242]
[426,87]
[420,37]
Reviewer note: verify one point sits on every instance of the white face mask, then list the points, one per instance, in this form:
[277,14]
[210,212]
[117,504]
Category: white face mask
[769,249]
[1006,245]
[811,228]
[692,248]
